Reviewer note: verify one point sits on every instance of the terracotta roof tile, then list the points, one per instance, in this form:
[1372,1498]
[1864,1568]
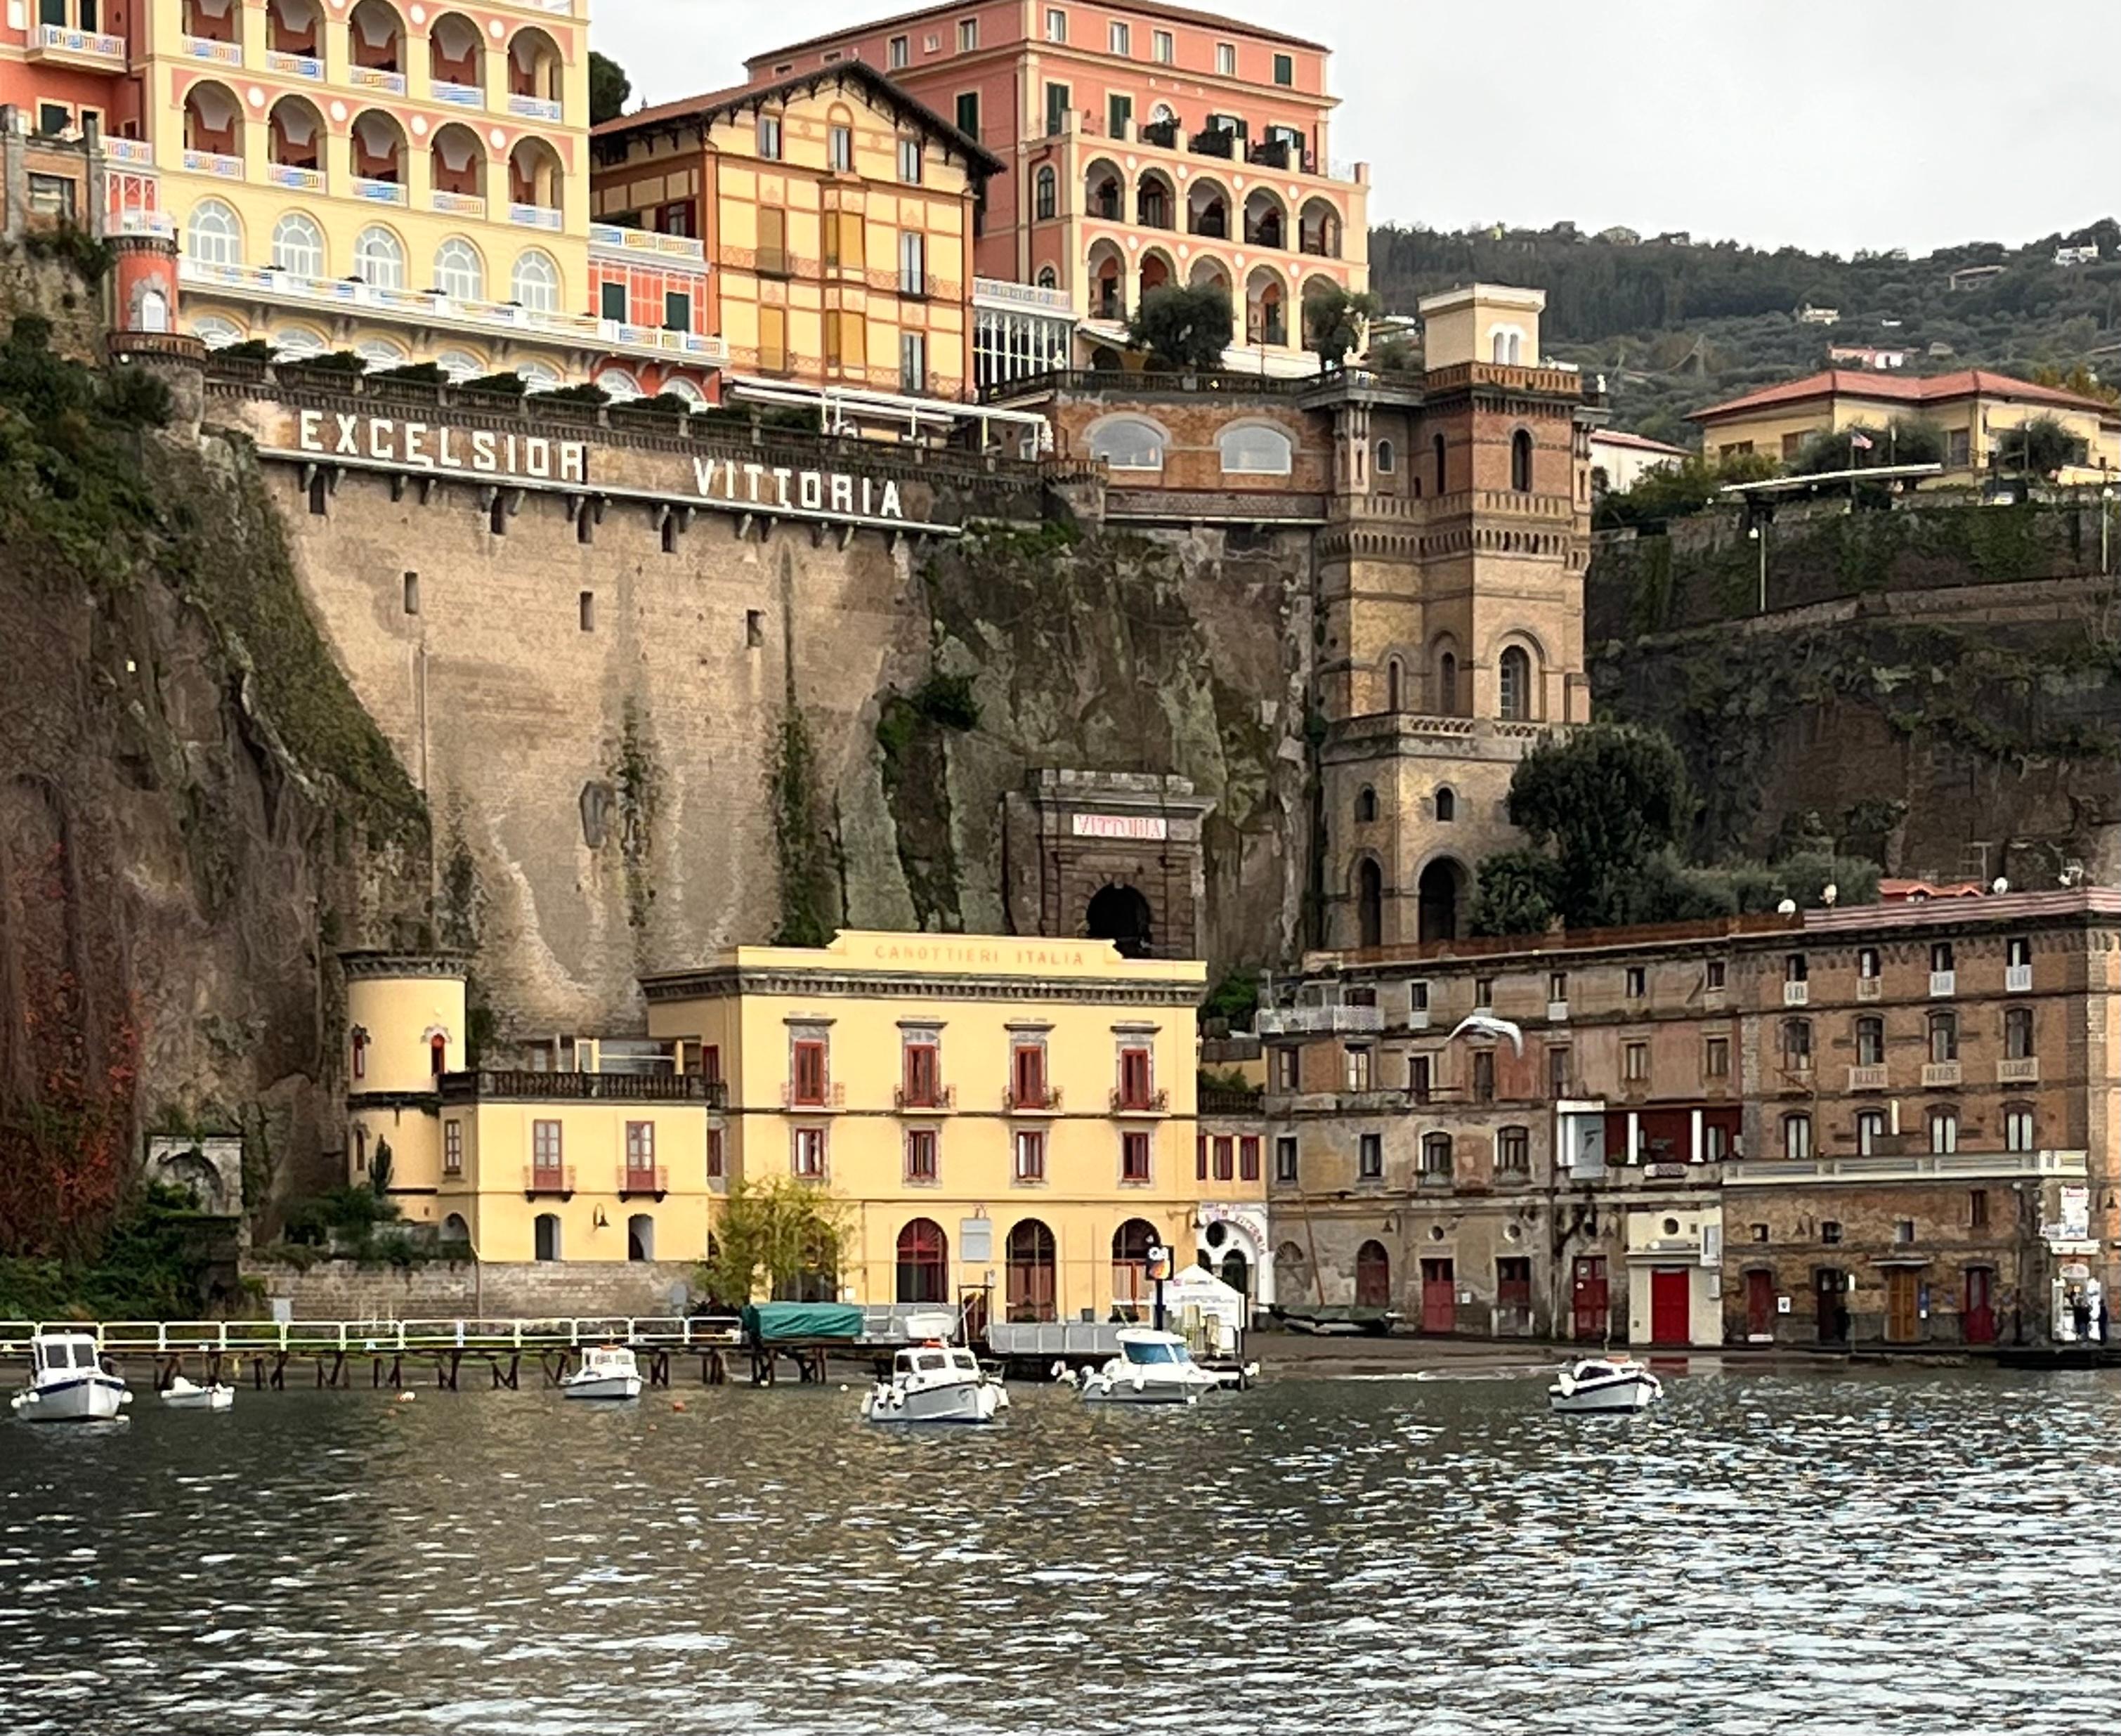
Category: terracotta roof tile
[1901,389]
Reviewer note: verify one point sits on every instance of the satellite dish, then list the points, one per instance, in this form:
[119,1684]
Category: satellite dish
[1788,907]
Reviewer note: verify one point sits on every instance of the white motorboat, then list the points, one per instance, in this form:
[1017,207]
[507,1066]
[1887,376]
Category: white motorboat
[67,1383]
[608,1371]
[935,1383]
[1610,1386]
[181,1394]
[1152,1368]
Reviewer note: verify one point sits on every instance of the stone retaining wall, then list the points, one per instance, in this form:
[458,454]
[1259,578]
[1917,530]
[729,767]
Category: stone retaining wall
[339,1290]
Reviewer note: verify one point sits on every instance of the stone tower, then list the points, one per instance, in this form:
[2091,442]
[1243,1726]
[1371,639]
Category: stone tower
[1450,598]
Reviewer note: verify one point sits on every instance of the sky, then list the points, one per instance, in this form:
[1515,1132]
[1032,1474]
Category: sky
[1831,125]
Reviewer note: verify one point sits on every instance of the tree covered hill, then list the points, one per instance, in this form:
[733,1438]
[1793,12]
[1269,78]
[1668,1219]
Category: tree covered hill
[1674,324]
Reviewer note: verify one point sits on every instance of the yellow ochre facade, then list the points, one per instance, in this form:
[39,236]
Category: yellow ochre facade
[1009,1122]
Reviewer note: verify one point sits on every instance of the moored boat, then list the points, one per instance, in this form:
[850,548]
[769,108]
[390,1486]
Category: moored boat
[608,1371]
[68,1383]
[181,1394]
[935,1383]
[1152,1368]
[1595,1386]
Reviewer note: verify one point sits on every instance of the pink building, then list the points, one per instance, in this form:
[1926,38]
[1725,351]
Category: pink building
[1146,144]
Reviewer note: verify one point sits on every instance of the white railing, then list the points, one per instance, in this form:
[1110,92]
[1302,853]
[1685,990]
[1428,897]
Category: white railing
[461,96]
[1796,994]
[247,1338]
[1778,1170]
[134,221]
[2019,1070]
[1289,1021]
[295,66]
[205,48]
[79,42]
[1943,981]
[457,204]
[302,180]
[532,107]
[1029,297]
[1557,1012]
[138,152]
[2017,979]
[429,308]
[533,217]
[379,193]
[1868,988]
[376,78]
[212,162]
[1868,1077]
[618,236]
[1938,1074]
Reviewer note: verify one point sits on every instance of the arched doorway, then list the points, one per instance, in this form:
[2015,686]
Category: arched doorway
[1238,1272]
[1369,902]
[1440,882]
[1373,1276]
[1030,1272]
[640,1236]
[924,1263]
[1121,914]
[454,1229]
[1132,1242]
[545,1237]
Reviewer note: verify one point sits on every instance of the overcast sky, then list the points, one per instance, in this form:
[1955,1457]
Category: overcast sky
[1834,124]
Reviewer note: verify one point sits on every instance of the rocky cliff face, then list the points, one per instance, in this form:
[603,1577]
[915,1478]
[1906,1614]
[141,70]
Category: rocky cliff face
[192,807]
[1938,687]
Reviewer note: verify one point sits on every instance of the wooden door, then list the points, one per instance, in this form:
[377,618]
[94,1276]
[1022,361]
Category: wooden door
[1759,1305]
[1439,1297]
[1832,1306]
[1671,1306]
[1588,1299]
[1979,1317]
[1903,1288]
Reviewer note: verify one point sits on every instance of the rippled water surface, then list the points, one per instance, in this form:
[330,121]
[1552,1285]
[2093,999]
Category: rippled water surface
[1907,1551]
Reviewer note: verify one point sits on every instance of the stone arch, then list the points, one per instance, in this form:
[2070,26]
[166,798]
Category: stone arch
[1127,442]
[1208,208]
[1366,805]
[1520,665]
[1394,684]
[1157,269]
[1266,307]
[535,177]
[455,1230]
[1104,190]
[1156,200]
[295,135]
[1121,913]
[1439,894]
[379,147]
[923,1262]
[1266,218]
[1373,1276]
[375,37]
[1292,1272]
[640,1236]
[1318,228]
[1439,469]
[1367,889]
[535,68]
[1446,804]
[1108,276]
[456,162]
[456,53]
[1447,693]
[1521,449]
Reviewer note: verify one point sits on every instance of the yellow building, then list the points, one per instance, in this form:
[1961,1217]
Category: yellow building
[1010,1121]
[1974,411]
[837,214]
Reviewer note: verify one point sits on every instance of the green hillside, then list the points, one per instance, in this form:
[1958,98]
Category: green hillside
[1674,324]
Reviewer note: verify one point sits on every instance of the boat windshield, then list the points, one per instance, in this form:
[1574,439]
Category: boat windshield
[931,1360]
[1140,1352]
[63,1355]
[965,1361]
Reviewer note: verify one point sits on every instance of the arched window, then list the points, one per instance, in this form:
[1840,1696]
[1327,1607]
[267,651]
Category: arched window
[1521,461]
[298,247]
[1131,1242]
[924,1263]
[1121,914]
[459,272]
[1373,1276]
[535,282]
[1383,460]
[1292,1272]
[1437,894]
[1447,685]
[1513,684]
[295,343]
[154,313]
[1369,903]
[1436,1161]
[379,258]
[213,234]
[1436,451]
[1250,449]
[1046,199]
[681,387]
[1506,345]
[1366,805]
[538,376]
[1128,443]
[459,364]
[216,333]
[1029,1263]
[1048,278]
[1446,804]
[1394,685]
[620,386]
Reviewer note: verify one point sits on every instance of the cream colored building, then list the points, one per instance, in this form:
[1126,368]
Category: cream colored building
[1972,410]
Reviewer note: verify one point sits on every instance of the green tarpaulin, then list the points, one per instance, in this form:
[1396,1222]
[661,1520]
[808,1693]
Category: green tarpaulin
[769,1323]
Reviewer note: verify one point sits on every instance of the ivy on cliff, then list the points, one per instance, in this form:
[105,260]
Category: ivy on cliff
[802,843]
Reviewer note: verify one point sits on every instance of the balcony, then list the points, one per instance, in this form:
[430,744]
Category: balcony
[834,1096]
[302,180]
[1796,994]
[650,1181]
[941,1099]
[1557,1012]
[1297,1021]
[1044,1101]
[1868,988]
[1231,1103]
[1774,1171]
[1214,142]
[1943,981]
[53,44]
[2017,979]
[212,162]
[532,107]
[376,78]
[457,95]
[310,66]
[548,1180]
[534,216]
[378,192]
[1869,1078]
[134,153]
[456,204]
[1937,1075]
[209,48]
[524,1086]
[2020,1070]
[1137,1102]
[686,250]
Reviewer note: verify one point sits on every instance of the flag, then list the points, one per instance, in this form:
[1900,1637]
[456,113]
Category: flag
[1858,442]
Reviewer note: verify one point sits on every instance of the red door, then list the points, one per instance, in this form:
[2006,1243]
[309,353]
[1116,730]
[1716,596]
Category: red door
[1980,1311]
[1759,1305]
[1587,1290]
[1671,1306]
[1439,1297]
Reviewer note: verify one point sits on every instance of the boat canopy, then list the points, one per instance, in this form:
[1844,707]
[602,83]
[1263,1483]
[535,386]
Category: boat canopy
[67,1350]
[1145,1351]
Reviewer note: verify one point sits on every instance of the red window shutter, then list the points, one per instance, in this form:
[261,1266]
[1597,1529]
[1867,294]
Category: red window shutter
[1248,1160]
[715,1154]
[1200,1158]
[1223,1159]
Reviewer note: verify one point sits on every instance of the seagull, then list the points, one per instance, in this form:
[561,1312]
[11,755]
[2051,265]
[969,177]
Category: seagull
[1487,1024]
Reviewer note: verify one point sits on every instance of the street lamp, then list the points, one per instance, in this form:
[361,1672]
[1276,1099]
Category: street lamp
[1759,534]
